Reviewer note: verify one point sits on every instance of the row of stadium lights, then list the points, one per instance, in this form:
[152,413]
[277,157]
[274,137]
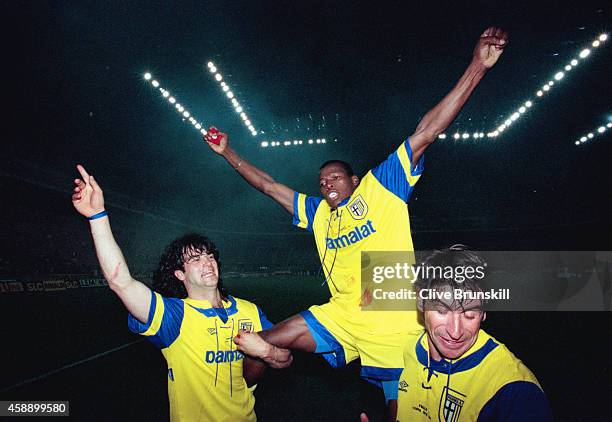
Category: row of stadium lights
[179,108]
[266,144]
[232,97]
[527,104]
[591,135]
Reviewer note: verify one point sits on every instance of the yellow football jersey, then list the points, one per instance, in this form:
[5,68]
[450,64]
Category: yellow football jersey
[488,383]
[205,381]
[374,218]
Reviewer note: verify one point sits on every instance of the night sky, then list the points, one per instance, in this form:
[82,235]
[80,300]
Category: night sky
[74,76]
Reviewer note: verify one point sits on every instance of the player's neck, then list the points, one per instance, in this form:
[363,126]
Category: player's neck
[211,295]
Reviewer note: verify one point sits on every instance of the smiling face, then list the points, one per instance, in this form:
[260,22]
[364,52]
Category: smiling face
[200,270]
[452,330]
[335,184]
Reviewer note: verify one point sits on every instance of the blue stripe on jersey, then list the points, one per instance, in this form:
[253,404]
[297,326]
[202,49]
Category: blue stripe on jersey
[332,350]
[170,324]
[460,365]
[391,174]
[265,323]
[311,204]
[138,327]
[381,374]
[518,401]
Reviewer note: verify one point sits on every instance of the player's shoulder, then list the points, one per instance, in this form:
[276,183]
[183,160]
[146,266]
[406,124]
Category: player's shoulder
[508,367]
[243,305]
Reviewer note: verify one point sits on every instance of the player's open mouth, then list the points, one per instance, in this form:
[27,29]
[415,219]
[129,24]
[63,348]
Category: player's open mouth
[332,195]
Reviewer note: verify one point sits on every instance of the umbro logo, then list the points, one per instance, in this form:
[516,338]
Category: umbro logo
[212,331]
[403,386]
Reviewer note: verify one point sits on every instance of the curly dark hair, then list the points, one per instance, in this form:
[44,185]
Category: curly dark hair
[164,280]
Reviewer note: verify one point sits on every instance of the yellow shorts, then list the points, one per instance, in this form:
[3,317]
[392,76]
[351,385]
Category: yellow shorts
[342,339]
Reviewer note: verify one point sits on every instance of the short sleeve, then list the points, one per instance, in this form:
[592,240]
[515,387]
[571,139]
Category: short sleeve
[519,401]
[265,323]
[304,210]
[397,174]
[163,322]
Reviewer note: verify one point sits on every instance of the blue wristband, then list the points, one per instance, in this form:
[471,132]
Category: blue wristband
[98,215]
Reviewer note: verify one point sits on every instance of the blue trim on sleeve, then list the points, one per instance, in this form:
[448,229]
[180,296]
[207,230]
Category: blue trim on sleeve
[420,165]
[391,174]
[138,327]
[460,365]
[265,322]
[312,203]
[519,401]
[327,345]
[381,374]
[296,213]
[390,389]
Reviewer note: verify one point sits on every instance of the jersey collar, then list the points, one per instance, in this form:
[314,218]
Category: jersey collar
[483,346]
[204,307]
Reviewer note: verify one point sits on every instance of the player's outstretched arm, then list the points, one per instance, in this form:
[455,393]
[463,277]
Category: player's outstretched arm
[88,200]
[488,49]
[257,178]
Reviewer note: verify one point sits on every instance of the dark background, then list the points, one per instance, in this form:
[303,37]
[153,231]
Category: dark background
[355,72]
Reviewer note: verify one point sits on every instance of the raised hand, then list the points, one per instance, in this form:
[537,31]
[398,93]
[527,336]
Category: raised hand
[87,196]
[222,140]
[490,46]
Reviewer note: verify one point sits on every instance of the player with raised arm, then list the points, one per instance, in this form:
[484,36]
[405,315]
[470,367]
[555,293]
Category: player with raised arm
[366,215]
[193,323]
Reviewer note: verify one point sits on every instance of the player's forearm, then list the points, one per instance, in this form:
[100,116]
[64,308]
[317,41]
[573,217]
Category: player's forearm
[277,358]
[109,254]
[256,177]
[439,117]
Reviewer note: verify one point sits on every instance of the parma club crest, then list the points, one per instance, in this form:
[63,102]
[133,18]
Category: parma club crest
[451,404]
[245,324]
[358,208]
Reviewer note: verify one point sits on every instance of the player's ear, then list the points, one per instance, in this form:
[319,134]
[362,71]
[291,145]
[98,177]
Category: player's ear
[484,316]
[179,274]
[355,180]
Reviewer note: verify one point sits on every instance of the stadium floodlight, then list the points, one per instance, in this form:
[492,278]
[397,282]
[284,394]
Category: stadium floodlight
[323,141]
[476,135]
[232,96]
[577,142]
[310,141]
[179,108]
[590,135]
[442,136]
[609,125]
[456,136]
[601,129]
[465,136]
[557,77]
[264,144]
